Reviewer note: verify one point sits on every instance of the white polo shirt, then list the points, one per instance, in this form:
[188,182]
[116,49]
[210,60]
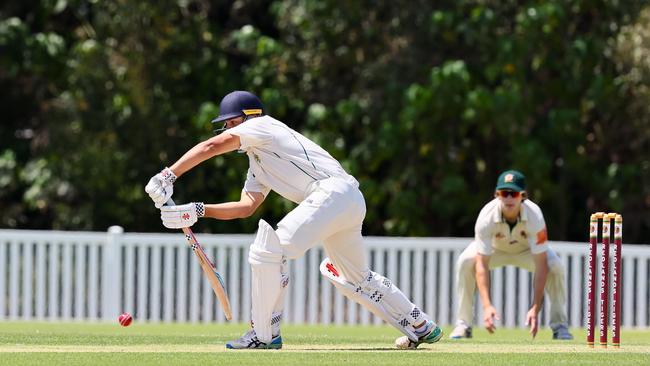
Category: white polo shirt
[283,160]
[492,232]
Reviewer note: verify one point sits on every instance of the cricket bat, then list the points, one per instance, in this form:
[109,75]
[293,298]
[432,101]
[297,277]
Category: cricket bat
[210,271]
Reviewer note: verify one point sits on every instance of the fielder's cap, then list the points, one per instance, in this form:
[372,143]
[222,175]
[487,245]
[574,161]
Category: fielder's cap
[239,103]
[511,180]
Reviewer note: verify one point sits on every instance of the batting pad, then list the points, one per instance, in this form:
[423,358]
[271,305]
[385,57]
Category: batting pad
[278,309]
[265,257]
[377,294]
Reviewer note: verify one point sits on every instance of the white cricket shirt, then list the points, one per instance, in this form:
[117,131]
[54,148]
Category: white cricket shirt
[492,232]
[283,160]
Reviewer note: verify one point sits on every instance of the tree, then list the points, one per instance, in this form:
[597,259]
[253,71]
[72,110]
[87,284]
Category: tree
[424,102]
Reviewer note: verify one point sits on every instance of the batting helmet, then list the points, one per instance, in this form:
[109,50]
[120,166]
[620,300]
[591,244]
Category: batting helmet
[239,103]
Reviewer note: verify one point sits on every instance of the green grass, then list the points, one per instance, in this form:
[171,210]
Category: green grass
[23,343]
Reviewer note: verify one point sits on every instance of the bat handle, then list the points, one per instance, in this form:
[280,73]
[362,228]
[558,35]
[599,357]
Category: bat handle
[170,202]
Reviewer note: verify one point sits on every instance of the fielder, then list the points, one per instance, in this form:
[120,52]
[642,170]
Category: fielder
[510,230]
[330,210]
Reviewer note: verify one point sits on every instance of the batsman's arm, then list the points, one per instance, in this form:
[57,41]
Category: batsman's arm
[205,150]
[246,206]
[541,272]
[483,278]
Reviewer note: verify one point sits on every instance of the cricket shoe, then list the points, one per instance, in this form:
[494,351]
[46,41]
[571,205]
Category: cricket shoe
[461,331]
[561,332]
[432,337]
[249,341]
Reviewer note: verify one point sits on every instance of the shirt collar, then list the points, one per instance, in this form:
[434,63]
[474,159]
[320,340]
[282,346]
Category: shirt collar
[498,216]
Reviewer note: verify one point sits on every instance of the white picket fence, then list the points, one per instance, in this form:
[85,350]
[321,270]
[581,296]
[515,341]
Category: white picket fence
[90,276]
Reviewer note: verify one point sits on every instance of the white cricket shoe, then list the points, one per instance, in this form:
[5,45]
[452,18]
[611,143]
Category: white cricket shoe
[433,336]
[461,331]
[249,341]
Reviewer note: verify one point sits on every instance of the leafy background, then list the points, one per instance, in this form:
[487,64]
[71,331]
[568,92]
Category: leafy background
[424,102]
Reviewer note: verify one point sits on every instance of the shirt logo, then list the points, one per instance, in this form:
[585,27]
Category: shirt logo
[499,236]
[257,158]
[509,178]
[523,234]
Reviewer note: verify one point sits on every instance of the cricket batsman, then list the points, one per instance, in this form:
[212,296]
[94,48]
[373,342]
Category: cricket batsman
[510,230]
[330,210]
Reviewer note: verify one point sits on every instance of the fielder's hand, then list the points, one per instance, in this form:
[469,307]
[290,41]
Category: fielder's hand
[161,187]
[177,217]
[489,315]
[531,320]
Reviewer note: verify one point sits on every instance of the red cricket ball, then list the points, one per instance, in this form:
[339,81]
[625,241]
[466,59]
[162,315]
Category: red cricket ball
[125,319]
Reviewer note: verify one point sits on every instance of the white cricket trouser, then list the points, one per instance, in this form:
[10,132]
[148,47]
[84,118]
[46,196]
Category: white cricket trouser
[332,214]
[466,279]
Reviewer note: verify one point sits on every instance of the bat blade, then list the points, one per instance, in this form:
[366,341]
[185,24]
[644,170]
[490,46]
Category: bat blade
[214,278]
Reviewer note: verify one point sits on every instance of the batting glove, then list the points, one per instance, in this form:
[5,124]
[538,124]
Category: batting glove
[161,187]
[176,217]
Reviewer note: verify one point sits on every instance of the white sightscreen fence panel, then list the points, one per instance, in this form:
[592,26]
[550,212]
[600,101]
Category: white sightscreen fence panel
[73,276]
[48,275]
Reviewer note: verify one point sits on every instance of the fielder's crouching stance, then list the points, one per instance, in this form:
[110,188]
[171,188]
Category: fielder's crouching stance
[510,230]
[330,210]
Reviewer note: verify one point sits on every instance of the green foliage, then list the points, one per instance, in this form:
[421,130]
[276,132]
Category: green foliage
[424,102]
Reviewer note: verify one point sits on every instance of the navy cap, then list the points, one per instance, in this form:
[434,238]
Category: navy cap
[239,103]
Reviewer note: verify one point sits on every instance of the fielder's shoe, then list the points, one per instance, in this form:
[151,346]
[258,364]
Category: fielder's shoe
[250,341]
[433,336]
[561,332]
[461,331]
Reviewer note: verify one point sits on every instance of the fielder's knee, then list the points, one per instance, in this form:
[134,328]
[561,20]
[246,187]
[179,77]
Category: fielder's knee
[556,267]
[466,263]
